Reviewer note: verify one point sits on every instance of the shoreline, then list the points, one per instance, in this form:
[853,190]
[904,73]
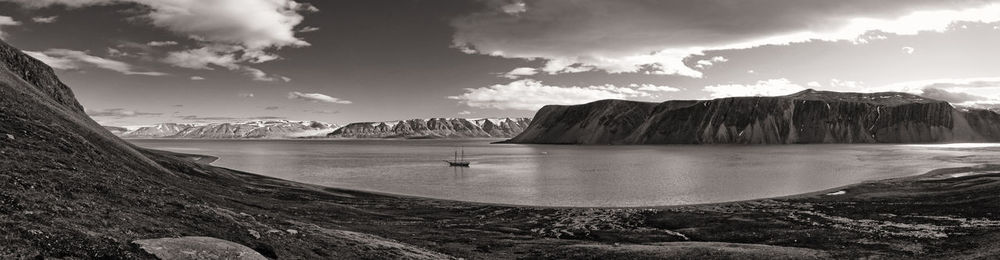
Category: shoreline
[209,159]
[914,216]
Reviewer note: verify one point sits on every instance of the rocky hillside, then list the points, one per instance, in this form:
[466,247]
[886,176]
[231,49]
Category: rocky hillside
[805,117]
[251,129]
[69,189]
[435,128]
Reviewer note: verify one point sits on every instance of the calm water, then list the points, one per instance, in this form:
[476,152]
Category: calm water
[548,175]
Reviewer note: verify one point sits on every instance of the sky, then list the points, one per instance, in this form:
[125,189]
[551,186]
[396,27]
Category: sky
[141,62]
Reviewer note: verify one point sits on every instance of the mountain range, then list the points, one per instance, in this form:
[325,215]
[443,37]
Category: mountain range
[809,116]
[249,129]
[276,129]
[435,128]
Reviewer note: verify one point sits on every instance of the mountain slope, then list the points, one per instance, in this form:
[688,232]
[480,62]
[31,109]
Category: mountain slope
[806,117]
[435,128]
[71,189]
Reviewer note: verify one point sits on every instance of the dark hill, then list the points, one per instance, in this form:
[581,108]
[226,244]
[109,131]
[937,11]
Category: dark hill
[71,189]
[805,117]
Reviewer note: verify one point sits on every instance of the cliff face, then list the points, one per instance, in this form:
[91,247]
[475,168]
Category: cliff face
[39,77]
[805,117]
[435,128]
[252,129]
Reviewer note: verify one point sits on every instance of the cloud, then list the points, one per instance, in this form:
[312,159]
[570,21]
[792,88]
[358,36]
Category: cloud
[980,93]
[46,19]
[465,113]
[986,85]
[951,97]
[654,88]
[530,94]
[271,108]
[520,72]
[245,95]
[260,75]
[113,52]
[308,29]
[60,63]
[229,31]
[197,78]
[6,21]
[314,111]
[201,58]
[316,97]
[704,64]
[655,37]
[119,113]
[514,8]
[771,87]
[846,85]
[908,50]
[71,59]
[197,118]
[161,43]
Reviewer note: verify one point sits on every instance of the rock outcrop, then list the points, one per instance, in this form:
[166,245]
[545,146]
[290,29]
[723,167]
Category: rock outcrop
[39,76]
[435,128]
[805,117]
[251,129]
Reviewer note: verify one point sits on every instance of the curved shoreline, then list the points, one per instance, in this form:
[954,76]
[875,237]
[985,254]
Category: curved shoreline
[932,214]
[209,159]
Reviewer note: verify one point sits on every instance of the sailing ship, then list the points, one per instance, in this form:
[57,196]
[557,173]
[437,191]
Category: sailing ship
[459,161]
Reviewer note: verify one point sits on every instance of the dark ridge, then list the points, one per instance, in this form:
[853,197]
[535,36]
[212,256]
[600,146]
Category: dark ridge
[808,116]
[39,76]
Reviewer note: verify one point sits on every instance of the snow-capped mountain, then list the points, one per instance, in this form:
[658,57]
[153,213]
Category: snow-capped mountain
[249,129]
[435,128]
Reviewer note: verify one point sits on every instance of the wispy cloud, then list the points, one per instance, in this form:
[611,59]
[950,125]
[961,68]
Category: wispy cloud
[520,72]
[71,59]
[119,113]
[6,21]
[308,29]
[45,19]
[656,37]
[161,43]
[316,97]
[197,118]
[231,32]
[771,87]
[529,94]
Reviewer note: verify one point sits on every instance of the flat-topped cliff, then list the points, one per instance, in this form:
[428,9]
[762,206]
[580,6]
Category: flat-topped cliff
[806,117]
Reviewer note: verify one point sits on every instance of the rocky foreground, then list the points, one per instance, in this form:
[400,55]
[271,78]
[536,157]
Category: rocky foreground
[805,117]
[71,189]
